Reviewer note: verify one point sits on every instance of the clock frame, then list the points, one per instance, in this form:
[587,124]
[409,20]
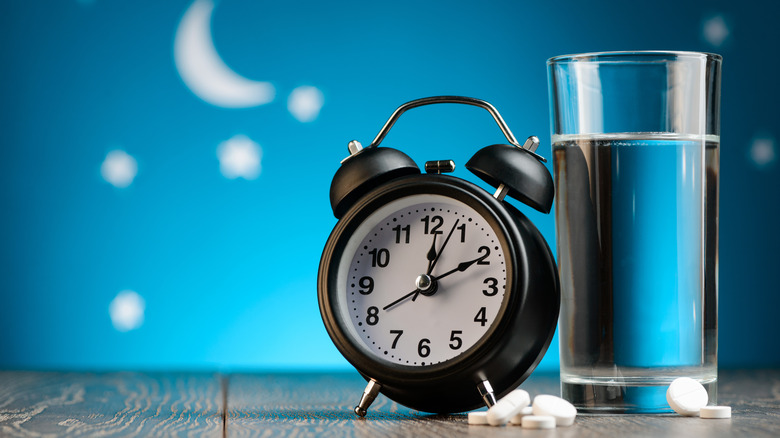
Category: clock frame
[508,351]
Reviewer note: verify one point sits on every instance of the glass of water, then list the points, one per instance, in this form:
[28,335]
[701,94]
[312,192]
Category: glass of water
[636,139]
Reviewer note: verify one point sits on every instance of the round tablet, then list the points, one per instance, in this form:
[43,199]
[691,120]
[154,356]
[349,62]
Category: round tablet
[506,408]
[538,422]
[563,411]
[686,396]
[518,419]
[478,418]
[715,412]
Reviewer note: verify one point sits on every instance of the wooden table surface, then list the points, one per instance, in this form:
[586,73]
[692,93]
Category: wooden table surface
[292,404]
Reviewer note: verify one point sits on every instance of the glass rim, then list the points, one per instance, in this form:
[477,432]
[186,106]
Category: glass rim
[633,56]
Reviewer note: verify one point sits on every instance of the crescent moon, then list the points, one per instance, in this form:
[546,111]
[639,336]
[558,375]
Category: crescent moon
[202,69]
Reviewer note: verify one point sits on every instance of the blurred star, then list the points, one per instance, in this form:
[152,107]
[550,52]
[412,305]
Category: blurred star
[305,103]
[119,168]
[762,151]
[715,30]
[239,157]
[127,311]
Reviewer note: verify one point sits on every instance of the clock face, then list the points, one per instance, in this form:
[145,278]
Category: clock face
[422,280]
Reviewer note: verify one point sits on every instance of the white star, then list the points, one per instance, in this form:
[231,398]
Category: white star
[305,103]
[762,151]
[715,30]
[119,168]
[239,157]
[127,311]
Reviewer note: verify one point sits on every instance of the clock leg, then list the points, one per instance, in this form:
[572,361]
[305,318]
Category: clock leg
[369,394]
[486,391]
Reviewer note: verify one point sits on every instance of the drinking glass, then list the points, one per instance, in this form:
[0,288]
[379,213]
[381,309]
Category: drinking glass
[636,139]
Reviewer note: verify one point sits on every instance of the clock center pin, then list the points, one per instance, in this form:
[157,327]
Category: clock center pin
[426,284]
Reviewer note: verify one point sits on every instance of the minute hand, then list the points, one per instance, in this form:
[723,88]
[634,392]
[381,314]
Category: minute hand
[461,267]
[430,267]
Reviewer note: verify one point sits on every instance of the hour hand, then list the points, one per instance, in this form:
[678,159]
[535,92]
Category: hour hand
[461,267]
[431,256]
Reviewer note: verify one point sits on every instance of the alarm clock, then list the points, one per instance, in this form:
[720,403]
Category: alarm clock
[443,296]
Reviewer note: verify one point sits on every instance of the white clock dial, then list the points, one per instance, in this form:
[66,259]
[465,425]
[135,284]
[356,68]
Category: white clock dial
[422,280]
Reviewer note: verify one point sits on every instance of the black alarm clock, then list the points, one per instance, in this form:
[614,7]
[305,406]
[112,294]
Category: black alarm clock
[443,296]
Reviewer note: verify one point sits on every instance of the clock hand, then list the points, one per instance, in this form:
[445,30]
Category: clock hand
[461,267]
[436,259]
[426,285]
[431,256]
[430,285]
[414,292]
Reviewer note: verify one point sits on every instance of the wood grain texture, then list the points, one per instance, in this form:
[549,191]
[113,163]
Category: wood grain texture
[299,405]
[37,404]
[321,405]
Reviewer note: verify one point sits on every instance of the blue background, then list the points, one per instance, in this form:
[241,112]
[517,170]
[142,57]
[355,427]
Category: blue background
[227,267]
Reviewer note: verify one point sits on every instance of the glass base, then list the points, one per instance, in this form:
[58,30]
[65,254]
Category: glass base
[599,397]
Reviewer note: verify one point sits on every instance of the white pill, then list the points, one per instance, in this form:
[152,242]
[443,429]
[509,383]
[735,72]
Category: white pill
[563,411]
[686,396]
[478,418]
[538,422]
[715,412]
[508,407]
[518,419]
